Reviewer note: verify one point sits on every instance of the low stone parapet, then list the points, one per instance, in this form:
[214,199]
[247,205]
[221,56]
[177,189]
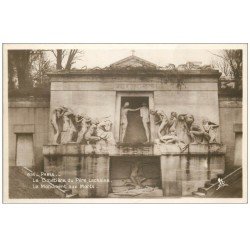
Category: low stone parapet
[182,171]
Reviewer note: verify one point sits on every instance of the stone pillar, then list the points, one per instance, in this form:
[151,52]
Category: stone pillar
[102,172]
[88,168]
[70,165]
[81,166]
[185,172]
[194,173]
[50,158]
[169,166]
[95,167]
[70,173]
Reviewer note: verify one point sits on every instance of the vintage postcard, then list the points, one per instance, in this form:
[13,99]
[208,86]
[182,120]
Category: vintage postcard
[125,123]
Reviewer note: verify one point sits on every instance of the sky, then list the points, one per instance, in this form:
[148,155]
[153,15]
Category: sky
[102,57]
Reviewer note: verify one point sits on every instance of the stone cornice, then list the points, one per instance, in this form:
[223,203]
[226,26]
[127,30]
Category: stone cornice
[148,73]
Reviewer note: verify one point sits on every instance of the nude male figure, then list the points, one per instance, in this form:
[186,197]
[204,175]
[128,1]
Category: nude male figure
[56,115]
[124,119]
[144,113]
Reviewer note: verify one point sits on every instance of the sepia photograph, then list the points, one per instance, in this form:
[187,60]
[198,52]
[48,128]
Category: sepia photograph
[125,123]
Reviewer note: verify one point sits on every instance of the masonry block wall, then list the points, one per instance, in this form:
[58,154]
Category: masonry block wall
[28,115]
[230,109]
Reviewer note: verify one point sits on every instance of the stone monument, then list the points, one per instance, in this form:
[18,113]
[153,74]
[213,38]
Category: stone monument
[134,119]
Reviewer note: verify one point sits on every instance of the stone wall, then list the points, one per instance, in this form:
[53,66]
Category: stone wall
[36,112]
[201,102]
[28,115]
[94,103]
[230,110]
[100,96]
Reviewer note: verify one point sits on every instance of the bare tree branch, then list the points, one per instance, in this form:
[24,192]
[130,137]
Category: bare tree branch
[54,53]
[230,64]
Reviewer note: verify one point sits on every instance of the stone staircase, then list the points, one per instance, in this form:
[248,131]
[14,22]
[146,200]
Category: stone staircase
[61,192]
[210,187]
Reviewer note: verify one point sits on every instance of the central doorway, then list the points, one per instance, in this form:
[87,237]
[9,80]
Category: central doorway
[135,132]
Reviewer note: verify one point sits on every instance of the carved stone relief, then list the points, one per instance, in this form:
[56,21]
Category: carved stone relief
[70,127]
[182,130]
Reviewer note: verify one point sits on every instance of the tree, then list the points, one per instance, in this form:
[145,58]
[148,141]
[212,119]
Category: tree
[72,55]
[26,68]
[230,64]
[59,58]
[39,68]
[19,66]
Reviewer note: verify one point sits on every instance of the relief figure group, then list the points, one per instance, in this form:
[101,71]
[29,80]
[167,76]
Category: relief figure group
[70,127]
[182,130]
[179,129]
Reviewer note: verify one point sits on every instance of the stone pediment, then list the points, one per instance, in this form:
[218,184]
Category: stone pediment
[133,62]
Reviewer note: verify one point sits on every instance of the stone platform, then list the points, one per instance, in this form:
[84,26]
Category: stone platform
[182,172]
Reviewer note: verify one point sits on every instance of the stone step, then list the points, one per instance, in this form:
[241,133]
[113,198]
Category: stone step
[68,191]
[227,179]
[199,194]
[208,184]
[202,190]
[213,181]
[72,196]
[61,192]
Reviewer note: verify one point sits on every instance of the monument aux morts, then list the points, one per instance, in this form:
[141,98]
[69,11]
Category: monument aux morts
[138,125]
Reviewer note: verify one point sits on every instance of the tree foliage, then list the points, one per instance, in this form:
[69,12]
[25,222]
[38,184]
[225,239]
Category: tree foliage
[19,66]
[230,64]
[27,69]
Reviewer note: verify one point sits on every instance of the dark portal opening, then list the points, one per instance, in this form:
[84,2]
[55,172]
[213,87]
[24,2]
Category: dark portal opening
[135,132]
[125,171]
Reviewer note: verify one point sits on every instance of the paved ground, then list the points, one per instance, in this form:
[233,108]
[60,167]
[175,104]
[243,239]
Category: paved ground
[20,187]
